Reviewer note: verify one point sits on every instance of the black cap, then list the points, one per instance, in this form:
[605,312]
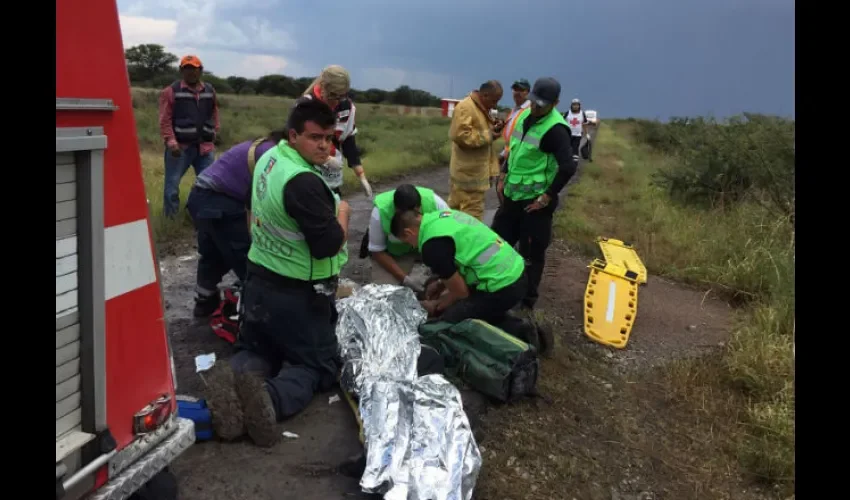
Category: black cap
[545,92]
[521,84]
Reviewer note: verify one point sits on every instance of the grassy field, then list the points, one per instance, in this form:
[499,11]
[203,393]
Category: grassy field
[740,245]
[395,145]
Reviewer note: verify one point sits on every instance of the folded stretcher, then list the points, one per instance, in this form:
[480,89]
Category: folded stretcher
[611,295]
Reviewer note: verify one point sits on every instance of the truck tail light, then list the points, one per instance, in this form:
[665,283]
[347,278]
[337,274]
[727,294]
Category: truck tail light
[152,416]
[101,477]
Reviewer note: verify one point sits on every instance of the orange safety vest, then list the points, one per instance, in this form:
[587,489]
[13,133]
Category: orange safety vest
[509,127]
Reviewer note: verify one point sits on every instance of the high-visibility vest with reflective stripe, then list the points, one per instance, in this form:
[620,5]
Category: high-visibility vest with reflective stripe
[386,210]
[530,170]
[192,114]
[509,126]
[276,240]
[482,257]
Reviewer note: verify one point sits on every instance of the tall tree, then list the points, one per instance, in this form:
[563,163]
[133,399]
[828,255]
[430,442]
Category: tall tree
[148,61]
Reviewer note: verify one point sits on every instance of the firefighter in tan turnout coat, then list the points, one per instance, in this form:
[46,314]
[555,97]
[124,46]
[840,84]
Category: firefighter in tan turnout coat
[474,165]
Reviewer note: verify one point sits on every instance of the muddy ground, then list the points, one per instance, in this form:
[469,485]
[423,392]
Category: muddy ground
[674,322]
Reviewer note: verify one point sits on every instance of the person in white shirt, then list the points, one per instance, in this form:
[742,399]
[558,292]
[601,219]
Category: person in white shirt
[577,121]
[392,259]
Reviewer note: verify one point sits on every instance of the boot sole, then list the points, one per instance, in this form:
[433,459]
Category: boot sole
[223,401]
[259,414]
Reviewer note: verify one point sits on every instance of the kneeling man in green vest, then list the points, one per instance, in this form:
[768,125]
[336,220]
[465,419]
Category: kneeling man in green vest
[480,276]
[287,349]
[393,259]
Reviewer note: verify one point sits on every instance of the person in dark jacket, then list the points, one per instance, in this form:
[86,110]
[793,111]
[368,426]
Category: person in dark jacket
[218,204]
[189,125]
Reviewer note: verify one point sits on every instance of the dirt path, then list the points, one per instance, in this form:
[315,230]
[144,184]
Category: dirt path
[674,322]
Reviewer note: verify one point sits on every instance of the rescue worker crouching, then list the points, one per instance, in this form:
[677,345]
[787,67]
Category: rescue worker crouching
[393,259]
[287,349]
[332,87]
[540,163]
[189,126]
[218,204]
[480,275]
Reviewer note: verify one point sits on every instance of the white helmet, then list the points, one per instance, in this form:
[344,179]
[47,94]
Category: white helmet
[575,101]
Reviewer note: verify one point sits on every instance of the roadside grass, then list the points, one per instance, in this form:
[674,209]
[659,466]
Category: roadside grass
[608,435]
[743,252]
[394,146]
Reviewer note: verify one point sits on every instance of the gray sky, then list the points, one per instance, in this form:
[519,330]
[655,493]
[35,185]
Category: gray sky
[642,58]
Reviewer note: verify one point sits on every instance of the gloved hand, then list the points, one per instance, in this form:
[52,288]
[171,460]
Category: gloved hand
[361,174]
[333,163]
[366,187]
[413,284]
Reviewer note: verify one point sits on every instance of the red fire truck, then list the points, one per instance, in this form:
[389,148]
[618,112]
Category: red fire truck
[116,424]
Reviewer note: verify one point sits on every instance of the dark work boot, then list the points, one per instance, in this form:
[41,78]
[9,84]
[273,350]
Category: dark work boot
[223,402]
[353,466]
[521,328]
[547,340]
[205,305]
[529,334]
[260,417]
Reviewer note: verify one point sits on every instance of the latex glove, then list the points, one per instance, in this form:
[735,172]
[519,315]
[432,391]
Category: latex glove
[413,284]
[333,162]
[366,187]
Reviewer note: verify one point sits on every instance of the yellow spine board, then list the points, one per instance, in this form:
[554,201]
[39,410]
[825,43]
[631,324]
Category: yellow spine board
[356,409]
[610,304]
[623,255]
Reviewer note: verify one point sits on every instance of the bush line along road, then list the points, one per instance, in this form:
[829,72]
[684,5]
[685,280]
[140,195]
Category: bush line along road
[701,402]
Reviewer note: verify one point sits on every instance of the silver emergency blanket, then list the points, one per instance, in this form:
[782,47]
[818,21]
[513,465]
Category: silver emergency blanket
[419,445]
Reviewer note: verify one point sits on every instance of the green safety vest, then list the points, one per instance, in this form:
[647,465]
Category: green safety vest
[482,257]
[276,240]
[531,171]
[386,209]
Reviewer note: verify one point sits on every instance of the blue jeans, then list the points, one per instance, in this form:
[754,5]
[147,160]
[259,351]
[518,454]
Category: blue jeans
[223,237]
[175,169]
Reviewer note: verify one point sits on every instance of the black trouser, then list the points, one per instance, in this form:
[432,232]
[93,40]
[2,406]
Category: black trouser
[288,334]
[575,141]
[492,307]
[223,237]
[533,231]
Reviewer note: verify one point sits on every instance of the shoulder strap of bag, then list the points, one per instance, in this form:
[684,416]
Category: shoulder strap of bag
[252,154]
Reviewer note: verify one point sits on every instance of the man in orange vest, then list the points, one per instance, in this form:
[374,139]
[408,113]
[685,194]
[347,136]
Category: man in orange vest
[520,90]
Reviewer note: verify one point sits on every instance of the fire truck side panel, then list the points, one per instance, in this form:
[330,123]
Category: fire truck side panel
[90,65]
